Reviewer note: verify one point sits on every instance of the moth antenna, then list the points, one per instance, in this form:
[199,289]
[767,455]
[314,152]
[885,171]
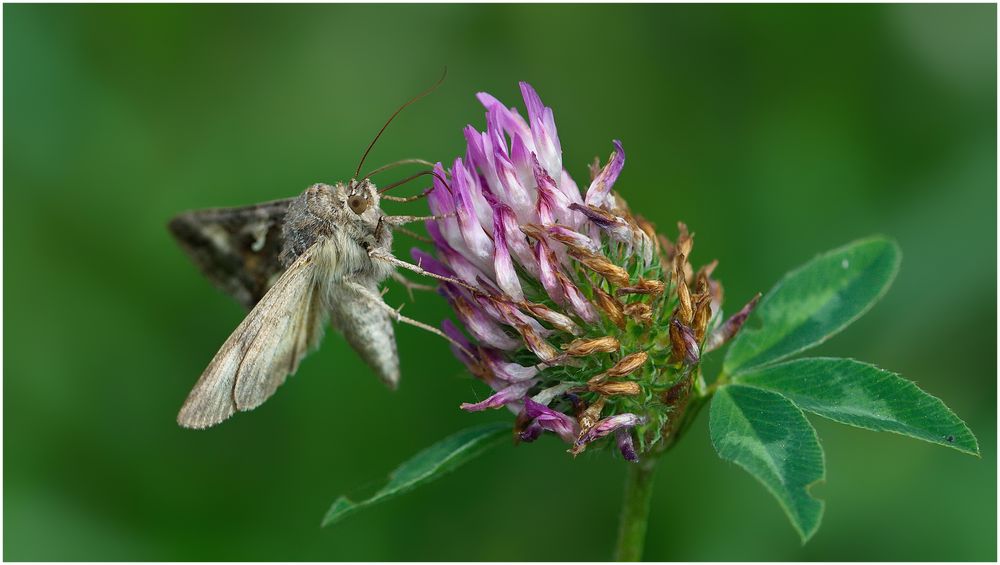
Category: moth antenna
[394,114]
[415,176]
[397,164]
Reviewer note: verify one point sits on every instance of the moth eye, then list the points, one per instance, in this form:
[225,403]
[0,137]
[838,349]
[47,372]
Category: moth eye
[358,203]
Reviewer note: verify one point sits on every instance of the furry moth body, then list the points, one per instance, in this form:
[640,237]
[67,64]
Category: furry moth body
[296,263]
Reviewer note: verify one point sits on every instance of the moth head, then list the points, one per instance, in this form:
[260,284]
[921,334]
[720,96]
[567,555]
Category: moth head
[358,203]
[360,196]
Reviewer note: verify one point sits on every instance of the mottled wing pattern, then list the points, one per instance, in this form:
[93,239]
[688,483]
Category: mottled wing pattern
[265,348]
[368,329]
[236,248]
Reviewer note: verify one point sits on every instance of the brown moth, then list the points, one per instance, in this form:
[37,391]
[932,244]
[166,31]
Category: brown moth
[297,264]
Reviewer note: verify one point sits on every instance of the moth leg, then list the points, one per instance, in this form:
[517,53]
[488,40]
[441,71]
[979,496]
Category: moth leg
[380,255]
[414,235]
[400,220]
[423,194]
[409,285]
[377,300]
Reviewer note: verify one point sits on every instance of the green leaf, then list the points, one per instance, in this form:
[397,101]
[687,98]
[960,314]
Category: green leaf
[768,436]
[814,302]
[426,466]
[862,395]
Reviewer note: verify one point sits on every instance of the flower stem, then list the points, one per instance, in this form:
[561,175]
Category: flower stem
[635,510]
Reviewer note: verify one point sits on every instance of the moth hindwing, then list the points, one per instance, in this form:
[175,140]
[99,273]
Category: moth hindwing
[235,248]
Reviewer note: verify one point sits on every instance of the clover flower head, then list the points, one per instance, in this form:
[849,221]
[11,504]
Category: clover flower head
[584,320]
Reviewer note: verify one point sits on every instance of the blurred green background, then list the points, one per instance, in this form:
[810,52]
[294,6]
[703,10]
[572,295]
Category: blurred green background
[775,132]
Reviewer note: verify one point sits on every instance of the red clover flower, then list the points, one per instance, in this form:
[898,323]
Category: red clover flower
[584,320]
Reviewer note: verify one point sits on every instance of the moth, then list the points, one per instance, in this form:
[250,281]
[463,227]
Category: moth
[296,264]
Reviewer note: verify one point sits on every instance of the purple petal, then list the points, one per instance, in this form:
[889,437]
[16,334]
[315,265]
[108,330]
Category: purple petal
[493,308]
[567,236]
[481,156]
[514,238]
[624,438]
[442,203]
[608,425]
[534,342]
[599,193]
[439,200]
[477,242]
[691,350]
[616,227]
[553,206]
[427,261]
[456,334]
[545,396]
[560,321]
[547,266]
[730,327]
[522,160]
[551,420]
[543,131]
[568,187]
[531,432]
[494,141]
[578,301]
[505,370]
[502,264]
[479,189]
[479,324]
[461,266]
[515,316]
[512,191]
[511,121]
[512,393]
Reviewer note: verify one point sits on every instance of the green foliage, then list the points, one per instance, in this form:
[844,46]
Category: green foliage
[814,302]
[426,466]
[220,105]
[862,395]
[756,415]
[769,437]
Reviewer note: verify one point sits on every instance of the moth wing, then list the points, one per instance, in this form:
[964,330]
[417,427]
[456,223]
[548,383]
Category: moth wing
[369,330]
[265,348]
[235,248]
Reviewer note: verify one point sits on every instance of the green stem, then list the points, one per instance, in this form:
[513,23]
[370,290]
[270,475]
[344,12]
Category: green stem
[635,510]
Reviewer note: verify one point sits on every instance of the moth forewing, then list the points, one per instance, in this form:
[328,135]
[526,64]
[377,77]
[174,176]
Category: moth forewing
[267,346]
